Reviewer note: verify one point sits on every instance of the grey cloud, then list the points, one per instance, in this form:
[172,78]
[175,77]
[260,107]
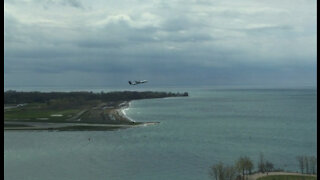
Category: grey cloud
[180,43]
[177,24]
[67,65]
[73,3]
[270,30]
[174,74]
[89,43]
[68,3]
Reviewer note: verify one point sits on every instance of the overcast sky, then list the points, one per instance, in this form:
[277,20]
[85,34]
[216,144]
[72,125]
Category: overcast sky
[183,42]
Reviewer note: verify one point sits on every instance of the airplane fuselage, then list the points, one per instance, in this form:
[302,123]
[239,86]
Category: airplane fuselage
[137,82]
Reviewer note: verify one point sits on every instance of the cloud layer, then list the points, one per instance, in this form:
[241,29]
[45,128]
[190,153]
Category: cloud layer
[71,42]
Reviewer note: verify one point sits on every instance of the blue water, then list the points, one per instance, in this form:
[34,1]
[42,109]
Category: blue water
[195,132]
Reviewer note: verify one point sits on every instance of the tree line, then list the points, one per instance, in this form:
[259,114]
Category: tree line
[240,170]
[307,164]
[14,97]
[244,166]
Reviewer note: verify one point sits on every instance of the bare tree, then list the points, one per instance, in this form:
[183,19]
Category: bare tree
[248,165]
[261,164]
[240,165]
[214,172]
[244,165]
[306,163]
[230,173]
[221,172]
[268,166]
[301,163]
[313,164]
[217,171]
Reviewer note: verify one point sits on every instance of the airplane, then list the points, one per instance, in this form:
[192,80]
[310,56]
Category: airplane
[137,82]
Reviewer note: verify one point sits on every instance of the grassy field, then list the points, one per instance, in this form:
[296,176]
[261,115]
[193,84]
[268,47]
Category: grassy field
[71,111]
[91,112]
[39,112]
[287,177]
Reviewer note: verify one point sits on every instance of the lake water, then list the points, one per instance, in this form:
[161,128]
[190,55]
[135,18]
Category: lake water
[195,132]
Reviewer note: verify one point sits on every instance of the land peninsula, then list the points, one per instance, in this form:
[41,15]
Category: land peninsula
[73,110]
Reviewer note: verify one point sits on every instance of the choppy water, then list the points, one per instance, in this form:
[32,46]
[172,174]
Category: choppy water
[194,133]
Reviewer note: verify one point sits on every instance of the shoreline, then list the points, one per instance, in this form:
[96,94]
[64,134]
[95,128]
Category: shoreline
[71,126]
[74,110]
[116,113]
[259,175]
[122,110]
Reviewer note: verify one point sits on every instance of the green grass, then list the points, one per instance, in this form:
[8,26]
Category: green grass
[42,112]
[35,111]
[287,177]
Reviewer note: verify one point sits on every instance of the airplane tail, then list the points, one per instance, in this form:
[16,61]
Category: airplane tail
[129,82]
